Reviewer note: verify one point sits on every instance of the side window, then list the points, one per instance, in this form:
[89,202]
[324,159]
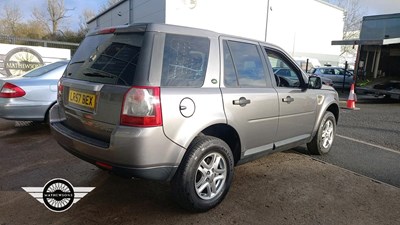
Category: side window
[185,61]
[329,71]
[284,71]
[242,65]
[339,72]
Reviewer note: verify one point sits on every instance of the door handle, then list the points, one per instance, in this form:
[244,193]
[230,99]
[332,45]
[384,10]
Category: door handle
[242,101]
[288,99]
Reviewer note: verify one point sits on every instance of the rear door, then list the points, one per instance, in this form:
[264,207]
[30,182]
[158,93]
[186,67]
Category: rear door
[250,101]
[297,105]
[190,100]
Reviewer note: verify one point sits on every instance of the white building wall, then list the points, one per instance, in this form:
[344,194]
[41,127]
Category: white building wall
[235,17]
[302,27]
[306,28]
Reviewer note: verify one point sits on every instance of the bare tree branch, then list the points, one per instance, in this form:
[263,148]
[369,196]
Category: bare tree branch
[54,16]
[354,12]
[87,14]
[10,20]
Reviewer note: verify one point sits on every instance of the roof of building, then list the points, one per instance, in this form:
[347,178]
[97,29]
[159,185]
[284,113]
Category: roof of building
[382,17]
[105,11]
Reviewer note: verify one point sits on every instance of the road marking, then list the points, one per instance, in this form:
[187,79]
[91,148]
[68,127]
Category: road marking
[366,143]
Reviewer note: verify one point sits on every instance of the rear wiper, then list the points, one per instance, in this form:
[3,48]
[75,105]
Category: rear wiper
[98,75]
[77,62]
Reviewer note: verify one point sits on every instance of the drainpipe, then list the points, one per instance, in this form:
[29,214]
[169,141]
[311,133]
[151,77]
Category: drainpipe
[378,57]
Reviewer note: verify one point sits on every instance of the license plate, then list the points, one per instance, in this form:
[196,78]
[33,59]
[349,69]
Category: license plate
[81,98]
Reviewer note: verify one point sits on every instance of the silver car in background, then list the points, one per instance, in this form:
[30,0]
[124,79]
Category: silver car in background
[30,96]
[336,74]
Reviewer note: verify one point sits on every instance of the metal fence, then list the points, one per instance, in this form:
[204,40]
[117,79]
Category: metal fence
[36,42]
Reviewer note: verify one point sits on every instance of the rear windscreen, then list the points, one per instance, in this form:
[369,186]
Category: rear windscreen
[107,59]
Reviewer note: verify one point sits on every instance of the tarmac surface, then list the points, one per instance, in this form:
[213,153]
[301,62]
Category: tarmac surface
[283,188]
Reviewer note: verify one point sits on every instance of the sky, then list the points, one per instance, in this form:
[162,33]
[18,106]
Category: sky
[371,7]
[375,7]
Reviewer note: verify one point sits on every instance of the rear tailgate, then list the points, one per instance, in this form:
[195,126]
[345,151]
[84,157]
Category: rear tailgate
[96,80]
[92,109]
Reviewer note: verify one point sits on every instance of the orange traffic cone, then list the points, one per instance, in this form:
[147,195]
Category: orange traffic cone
[351,101]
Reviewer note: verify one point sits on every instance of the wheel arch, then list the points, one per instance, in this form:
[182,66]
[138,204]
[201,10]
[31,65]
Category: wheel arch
[334,109]
[228,134]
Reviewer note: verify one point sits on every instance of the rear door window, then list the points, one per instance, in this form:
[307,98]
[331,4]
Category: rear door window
[242,65]
[185,61]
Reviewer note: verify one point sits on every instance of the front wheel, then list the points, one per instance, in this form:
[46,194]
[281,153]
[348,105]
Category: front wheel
[322,142]
[204,175]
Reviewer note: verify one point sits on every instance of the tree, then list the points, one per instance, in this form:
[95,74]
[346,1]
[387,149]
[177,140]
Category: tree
[31,29]
[53,17]
[87,15]
[353,14]
[10,20]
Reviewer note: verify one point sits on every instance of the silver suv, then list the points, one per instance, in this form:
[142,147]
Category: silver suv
[186,105]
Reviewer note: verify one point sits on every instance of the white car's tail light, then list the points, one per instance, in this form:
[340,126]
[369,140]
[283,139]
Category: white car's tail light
[60,88]
[142,107]
[11,91]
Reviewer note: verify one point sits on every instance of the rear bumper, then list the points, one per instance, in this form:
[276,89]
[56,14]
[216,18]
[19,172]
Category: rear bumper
[21,109]
[137,152]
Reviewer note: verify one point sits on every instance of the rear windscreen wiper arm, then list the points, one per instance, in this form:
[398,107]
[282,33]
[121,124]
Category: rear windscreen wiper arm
[77,62]
[98,75]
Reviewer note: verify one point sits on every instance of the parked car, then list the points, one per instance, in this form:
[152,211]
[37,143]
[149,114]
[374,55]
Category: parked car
[325,81]
[30,96]
[336,74]
[186,105]
[286,77]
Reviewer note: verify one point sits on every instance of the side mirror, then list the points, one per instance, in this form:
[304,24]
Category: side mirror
[314,82]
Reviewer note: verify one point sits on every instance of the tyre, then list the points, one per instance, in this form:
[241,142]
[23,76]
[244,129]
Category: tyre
[204,175]
[322,142]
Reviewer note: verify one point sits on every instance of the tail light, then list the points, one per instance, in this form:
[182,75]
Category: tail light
[106,31]
[142,107]
[60,88]
[11,91]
